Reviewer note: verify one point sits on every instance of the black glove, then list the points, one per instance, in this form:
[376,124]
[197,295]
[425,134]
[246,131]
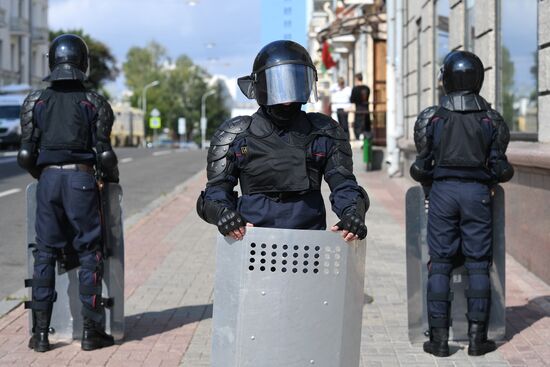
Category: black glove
[354,224]
[229,221]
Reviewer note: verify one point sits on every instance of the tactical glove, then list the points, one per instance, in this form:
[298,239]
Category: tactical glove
[229,221]
[354,224]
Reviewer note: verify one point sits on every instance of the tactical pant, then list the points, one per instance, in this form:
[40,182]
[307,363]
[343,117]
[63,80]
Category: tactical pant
[459,224]
[67,213]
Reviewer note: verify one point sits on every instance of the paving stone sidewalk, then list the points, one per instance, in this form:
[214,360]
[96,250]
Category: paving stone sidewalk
[169,284]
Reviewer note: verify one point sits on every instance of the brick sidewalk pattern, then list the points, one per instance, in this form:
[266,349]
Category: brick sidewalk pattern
[169,284]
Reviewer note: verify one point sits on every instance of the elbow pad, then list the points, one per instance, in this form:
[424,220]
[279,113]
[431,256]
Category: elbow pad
[107,159]
[503,171]
[209,211]
[107,164]
[26,158]
[421,170]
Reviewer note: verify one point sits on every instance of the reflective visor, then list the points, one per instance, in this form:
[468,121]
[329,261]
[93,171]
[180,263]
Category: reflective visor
[286,83]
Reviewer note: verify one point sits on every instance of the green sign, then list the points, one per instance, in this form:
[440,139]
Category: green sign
[154,122]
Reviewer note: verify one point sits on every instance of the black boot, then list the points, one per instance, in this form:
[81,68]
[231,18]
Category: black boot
[41,325]
[479,344]
[94,336]
[438,345]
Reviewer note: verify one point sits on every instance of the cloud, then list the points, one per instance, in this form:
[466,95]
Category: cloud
[234,27]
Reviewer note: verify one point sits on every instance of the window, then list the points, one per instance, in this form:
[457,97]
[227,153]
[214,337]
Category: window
[442,38]
[287,36]
[287,23]
[469,26]
[519,65]
[287,10]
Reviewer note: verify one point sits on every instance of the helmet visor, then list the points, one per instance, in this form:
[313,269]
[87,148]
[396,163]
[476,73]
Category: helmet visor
[285,84]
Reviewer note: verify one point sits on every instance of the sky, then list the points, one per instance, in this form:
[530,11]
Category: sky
[231,26]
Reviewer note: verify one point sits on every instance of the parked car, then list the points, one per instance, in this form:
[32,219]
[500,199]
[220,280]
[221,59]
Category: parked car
[10,107]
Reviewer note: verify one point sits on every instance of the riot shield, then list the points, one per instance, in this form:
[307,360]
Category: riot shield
[288,298]
[66,322]
[417,273]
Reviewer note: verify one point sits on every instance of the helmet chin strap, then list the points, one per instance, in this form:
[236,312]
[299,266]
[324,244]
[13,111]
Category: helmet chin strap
[283,115]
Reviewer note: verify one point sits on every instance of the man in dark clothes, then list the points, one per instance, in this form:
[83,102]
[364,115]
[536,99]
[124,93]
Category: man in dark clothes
[461,147]
[279,156]
[65,133]
[360,97]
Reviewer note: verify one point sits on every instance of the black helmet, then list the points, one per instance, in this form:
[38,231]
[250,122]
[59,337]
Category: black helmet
[282,73]
[462,71]
[67,58]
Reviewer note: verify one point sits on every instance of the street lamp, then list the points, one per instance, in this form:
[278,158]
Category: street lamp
[203,117]
[144,99]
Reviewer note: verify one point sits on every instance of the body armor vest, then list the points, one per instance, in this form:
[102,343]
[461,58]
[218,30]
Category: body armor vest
[462,142]
[65,125]
[276,165]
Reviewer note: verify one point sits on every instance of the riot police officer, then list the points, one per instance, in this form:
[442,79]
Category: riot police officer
[280,154]
[65,134]
[461,147]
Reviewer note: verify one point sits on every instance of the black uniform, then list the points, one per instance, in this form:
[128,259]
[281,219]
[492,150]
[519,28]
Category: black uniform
[280,155]
[461,148]
[65,133]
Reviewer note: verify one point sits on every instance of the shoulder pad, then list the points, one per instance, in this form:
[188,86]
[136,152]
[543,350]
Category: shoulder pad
[503,132]
[325,125]
[236,125]
[26,116]
[225,135]
[105,120]
[495,115]
[420,127]
[28,106]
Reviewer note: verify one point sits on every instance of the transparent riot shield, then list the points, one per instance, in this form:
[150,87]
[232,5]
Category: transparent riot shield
[288,298]
[66,323]
[417,273]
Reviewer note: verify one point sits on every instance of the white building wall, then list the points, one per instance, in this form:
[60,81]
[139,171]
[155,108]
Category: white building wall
[23,41]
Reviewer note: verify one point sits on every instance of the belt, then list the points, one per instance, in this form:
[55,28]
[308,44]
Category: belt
[72,167]
[282,196]
[462,179]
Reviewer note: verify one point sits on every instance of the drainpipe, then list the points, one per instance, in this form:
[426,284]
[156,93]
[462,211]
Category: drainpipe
[394,106]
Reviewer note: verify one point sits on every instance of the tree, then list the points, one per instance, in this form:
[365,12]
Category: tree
[102,62]
[181,86]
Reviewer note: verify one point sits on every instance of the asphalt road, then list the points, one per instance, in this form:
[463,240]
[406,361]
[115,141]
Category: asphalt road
[146,174]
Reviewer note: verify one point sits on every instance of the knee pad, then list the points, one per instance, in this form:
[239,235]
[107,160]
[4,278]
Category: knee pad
[440,266]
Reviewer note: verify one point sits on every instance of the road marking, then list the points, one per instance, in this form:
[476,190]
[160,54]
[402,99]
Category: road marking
[126,160]
[162,152]
[9,192]
[8,160]
[8,154]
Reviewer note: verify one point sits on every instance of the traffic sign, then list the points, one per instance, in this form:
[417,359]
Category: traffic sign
[182,128]
[154,122]
[155,112]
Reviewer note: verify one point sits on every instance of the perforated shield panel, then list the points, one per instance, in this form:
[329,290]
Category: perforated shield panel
[288,298]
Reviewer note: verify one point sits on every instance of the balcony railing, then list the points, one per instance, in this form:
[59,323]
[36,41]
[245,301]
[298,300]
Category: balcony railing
[19,25]
[40,34]
[3,18]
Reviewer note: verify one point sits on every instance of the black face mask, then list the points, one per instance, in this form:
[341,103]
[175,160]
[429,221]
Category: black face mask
[283,115]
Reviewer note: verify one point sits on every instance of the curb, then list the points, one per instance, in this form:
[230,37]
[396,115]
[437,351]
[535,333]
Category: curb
[14,300]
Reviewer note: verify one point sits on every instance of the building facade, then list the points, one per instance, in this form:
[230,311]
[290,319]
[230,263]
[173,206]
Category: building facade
[512,38]
[355,33]
[24,41]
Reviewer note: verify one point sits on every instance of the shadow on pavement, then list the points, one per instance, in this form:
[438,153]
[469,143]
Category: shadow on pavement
[518,318]
[146,324]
